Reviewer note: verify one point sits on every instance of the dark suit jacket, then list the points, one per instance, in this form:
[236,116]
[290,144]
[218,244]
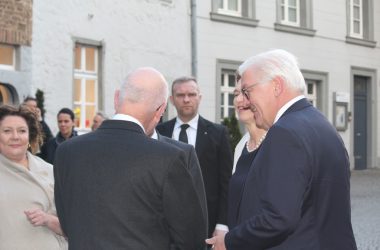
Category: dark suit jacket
[215,157]
[194,169]
[116,188]
[297,191]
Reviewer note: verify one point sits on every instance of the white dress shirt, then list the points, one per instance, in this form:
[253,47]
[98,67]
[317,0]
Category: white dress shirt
[190,131]
[129,118]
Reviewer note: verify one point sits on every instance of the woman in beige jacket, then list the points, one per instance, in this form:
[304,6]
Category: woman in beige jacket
[27,211]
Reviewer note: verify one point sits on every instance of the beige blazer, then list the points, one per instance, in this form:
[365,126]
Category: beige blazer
[22,189]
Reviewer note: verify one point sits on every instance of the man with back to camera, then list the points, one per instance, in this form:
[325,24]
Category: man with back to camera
[127,192]
[211,145]
[297,190]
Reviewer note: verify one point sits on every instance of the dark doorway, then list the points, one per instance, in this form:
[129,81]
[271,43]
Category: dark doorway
[360,121]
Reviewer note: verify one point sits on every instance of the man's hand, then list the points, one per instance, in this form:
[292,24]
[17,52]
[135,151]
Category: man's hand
[217,241]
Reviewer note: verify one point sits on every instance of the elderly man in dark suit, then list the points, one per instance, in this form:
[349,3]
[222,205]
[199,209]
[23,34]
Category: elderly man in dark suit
[116,188]
[296,194]
[211,145]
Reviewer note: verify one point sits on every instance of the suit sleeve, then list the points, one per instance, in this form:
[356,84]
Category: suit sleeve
[225,171]
[182,208]
[282,175]
[196,173]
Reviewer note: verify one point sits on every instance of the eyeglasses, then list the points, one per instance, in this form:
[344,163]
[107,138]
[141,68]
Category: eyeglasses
[246,91]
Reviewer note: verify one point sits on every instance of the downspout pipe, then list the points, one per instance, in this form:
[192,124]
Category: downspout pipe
[194,58]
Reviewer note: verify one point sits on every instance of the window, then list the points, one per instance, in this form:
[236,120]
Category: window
[360,25]
[356,27]
[7,57]
[240,12]
[225,84]
[85,84]
[226,90]
[317,89]
[290,12]
[295,16]
[311,91]
[230,7]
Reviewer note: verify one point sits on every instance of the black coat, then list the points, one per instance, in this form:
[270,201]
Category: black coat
[116,188]
[215,158]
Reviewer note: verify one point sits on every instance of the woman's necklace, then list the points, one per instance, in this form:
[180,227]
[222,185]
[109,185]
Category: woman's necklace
[257,144]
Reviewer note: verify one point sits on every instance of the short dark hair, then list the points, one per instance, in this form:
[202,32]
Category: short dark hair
[34,126]
[183,79]
[67,111]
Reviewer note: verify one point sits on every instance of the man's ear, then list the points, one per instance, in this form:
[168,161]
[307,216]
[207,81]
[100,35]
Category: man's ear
[116,99]
[278,87]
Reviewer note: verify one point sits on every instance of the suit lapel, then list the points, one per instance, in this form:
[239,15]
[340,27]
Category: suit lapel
[202,137]
[167,128]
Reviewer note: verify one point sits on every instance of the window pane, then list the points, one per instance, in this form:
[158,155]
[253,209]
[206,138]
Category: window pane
[221,113]
[357,27]
[220,4]
[293,3]
[310,89]
[231,112]
[356,1]
[90,59]
[282,2]
[90,91]
[77,90]
[283,13]
[90,112]
[77,57]
[233,5]
[222,77]
[6,55]
[231,80]
[78,115]
[356,13]
[230,99]
[292,15]
[222,99]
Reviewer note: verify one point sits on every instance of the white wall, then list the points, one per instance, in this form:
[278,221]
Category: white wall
[134,33]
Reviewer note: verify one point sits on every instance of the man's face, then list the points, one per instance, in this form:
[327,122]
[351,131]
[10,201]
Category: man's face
[96,122]
[186,99]
[261,98]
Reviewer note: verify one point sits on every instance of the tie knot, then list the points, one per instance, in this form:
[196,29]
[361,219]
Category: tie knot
[184,126]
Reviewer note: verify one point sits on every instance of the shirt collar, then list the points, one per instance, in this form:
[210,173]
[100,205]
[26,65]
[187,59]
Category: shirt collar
[287,106]
[154,135]
[193,123]
[129,118]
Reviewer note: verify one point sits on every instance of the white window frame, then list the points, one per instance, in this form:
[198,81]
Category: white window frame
[225,10]
[83,75]
[286,7]
[353,20]
[8,66]
[226,91]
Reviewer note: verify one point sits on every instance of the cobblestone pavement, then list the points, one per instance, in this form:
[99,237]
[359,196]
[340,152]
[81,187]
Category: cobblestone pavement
[365,208]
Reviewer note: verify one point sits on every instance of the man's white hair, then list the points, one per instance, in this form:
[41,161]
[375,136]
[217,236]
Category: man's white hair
[276,63]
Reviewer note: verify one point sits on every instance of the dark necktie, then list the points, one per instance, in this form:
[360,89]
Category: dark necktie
[182,135]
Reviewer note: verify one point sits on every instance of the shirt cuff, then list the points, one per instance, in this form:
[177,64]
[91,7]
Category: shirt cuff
[221,227]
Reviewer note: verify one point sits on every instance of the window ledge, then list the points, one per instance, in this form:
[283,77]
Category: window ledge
[361,42]
[233,19]
[295,30]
